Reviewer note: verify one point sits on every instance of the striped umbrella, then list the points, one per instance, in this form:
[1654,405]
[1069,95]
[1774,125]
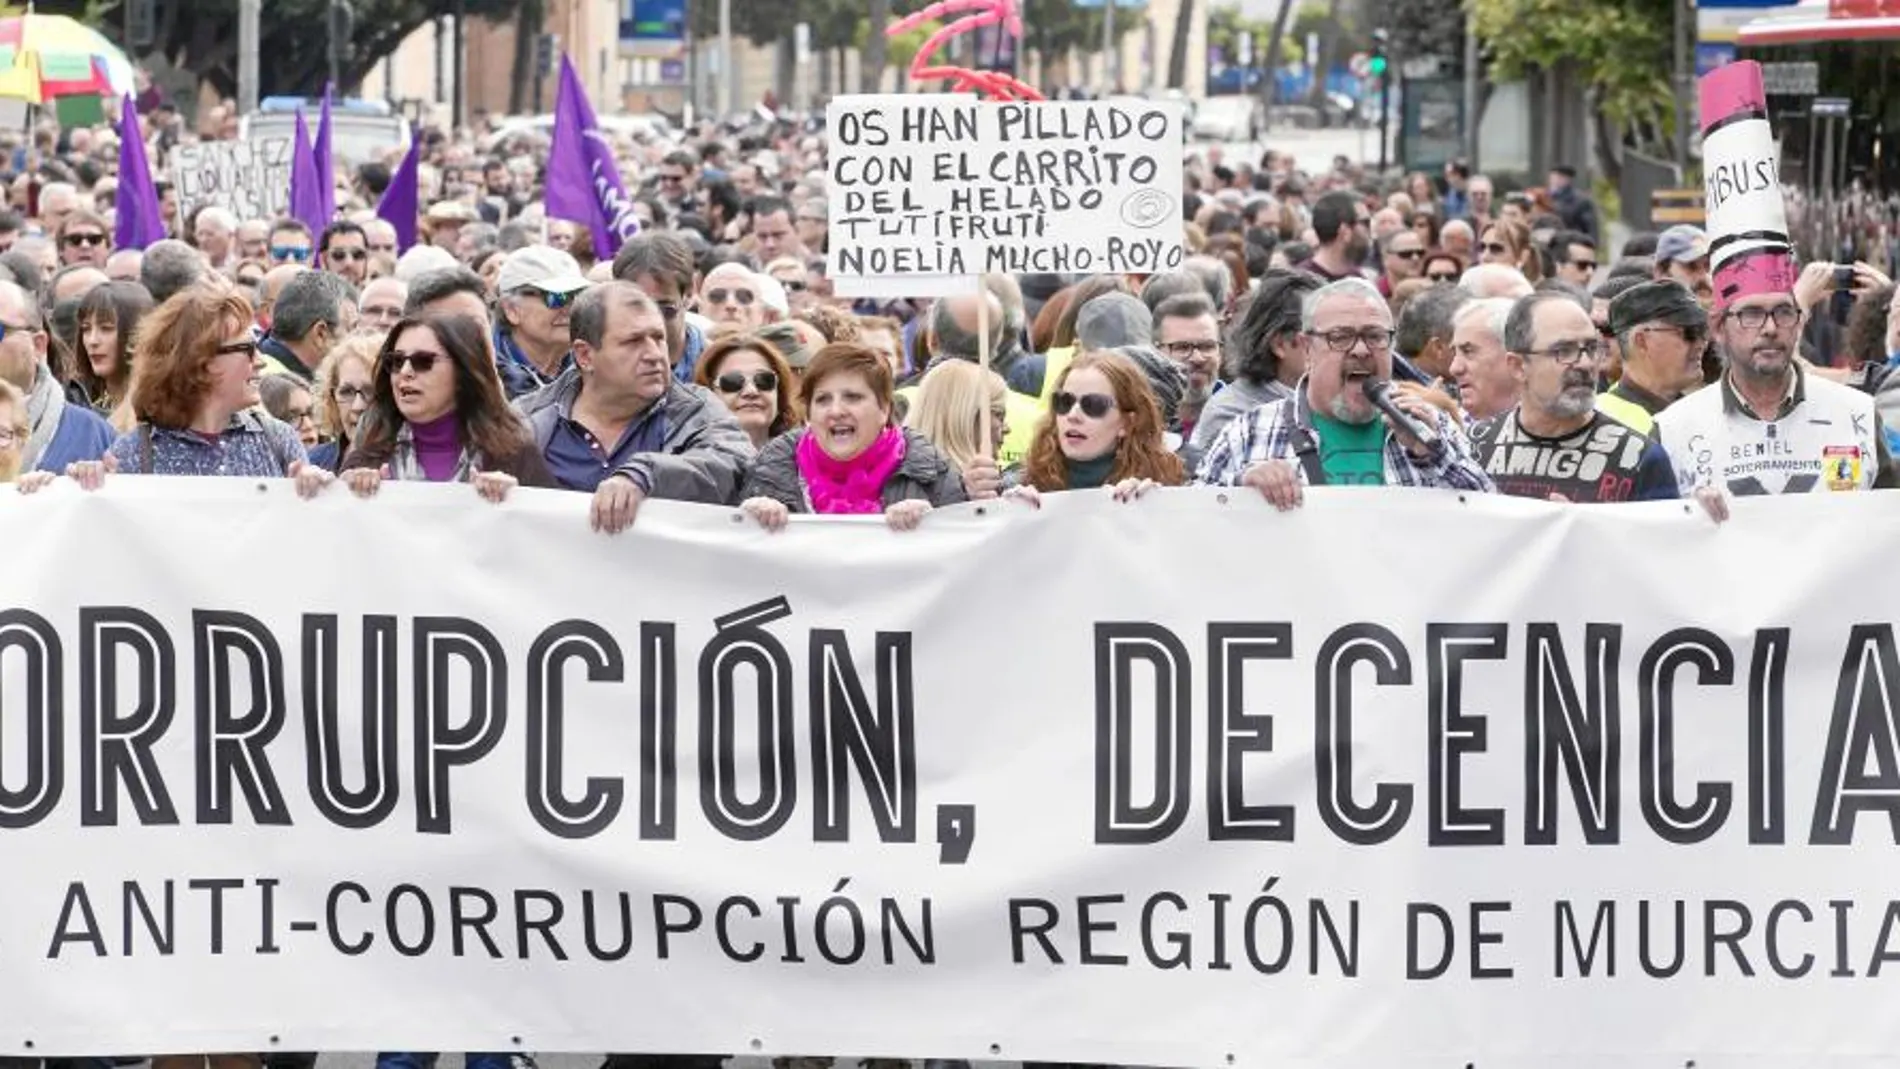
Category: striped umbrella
[47,56]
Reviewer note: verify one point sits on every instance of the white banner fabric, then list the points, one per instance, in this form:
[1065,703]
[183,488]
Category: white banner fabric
[1523,783]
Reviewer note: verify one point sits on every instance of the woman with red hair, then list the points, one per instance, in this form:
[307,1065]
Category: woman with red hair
[1103,429]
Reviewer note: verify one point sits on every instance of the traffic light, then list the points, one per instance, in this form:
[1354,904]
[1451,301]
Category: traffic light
[1376,65]
[547,51]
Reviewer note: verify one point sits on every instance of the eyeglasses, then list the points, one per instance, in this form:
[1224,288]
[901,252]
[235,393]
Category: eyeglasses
[289,252]
[734,381]
[1586,265]
[1572,353]
[738,297]
[1344,339]
[15,328]
[1786,317]
[793,285]
[346,255]
[1408,254]
[421,363]
[10,437]
[85,239]
[237,348]
[1496,248]
[351,396]
[299,415]
[1692,335]
[553,301]
[1181,350]
[1442,276]
[1094,405]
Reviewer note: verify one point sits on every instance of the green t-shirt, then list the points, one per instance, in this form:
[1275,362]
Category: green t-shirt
[1351,454]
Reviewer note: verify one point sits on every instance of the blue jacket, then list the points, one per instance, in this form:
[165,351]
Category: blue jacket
[82,435]
[689,359]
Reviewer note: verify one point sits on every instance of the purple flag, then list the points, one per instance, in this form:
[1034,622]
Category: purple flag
[583,183]
[403,199]
[326,164]
[306,197]
[140,220]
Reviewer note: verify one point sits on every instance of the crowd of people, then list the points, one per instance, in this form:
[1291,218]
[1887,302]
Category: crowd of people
[1325,330]
[709,359]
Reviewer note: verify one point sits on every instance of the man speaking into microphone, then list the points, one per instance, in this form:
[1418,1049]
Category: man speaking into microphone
[1556,444]
[1333,431]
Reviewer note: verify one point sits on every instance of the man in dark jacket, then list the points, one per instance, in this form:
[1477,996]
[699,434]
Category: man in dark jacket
[1573,206]
[617,424]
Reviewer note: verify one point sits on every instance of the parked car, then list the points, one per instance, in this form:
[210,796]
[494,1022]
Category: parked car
[1237,119]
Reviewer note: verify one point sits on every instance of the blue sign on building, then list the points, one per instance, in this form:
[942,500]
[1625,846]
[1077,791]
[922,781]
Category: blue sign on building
[1712,54]
[653,23]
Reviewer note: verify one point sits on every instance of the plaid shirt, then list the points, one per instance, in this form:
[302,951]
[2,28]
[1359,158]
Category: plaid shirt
[1272,432]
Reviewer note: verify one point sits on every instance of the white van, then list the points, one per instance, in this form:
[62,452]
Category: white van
[360,130]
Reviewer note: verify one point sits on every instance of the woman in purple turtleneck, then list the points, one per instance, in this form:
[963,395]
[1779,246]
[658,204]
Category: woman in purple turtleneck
[437,414]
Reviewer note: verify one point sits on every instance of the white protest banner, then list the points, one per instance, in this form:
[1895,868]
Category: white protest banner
[1401,777]
[945,185]
[251,178]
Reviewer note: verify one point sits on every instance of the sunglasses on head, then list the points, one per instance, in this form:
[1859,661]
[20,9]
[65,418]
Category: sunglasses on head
[548,298]
[423,362]
[739,297]
[85,239]
[1094,405]
[734,381]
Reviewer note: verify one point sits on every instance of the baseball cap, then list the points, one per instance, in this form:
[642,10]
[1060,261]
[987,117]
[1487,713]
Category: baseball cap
[542,266]
[1682,243]
[1665,301]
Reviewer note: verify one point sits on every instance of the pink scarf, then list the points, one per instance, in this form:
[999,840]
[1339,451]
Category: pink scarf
[852,486]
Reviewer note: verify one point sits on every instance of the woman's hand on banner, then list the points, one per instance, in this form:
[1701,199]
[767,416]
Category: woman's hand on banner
[769,514]
[363,482]
[1133,489]
[906,515]
[91,474]
[1278,482]
[1024,495]
[311,480]
[493,485]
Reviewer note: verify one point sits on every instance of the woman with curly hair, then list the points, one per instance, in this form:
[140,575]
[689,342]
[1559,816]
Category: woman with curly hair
[1103,429]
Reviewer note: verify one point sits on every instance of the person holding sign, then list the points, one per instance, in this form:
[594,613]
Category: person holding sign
[1333,430]
[851,458]
[1104,428]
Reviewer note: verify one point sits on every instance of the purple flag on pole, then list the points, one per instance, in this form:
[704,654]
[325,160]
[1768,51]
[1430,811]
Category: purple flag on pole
[306,198]
[403,199]
[583,184]
[140,220]
[326,164]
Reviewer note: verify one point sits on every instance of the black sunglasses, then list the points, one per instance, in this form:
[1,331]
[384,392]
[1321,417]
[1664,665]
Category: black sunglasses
[1094,405]
[85,239]
[423,363]
[1443,276]
[734,381]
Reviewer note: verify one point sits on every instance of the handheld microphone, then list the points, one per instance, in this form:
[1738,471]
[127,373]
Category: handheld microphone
[1379,392]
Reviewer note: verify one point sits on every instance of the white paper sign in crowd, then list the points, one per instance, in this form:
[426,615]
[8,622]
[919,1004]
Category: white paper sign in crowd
[1182,782]
[251,178]
[947,185]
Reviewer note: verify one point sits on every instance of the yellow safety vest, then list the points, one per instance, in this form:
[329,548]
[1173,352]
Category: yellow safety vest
[1628,413]
[1020,411]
